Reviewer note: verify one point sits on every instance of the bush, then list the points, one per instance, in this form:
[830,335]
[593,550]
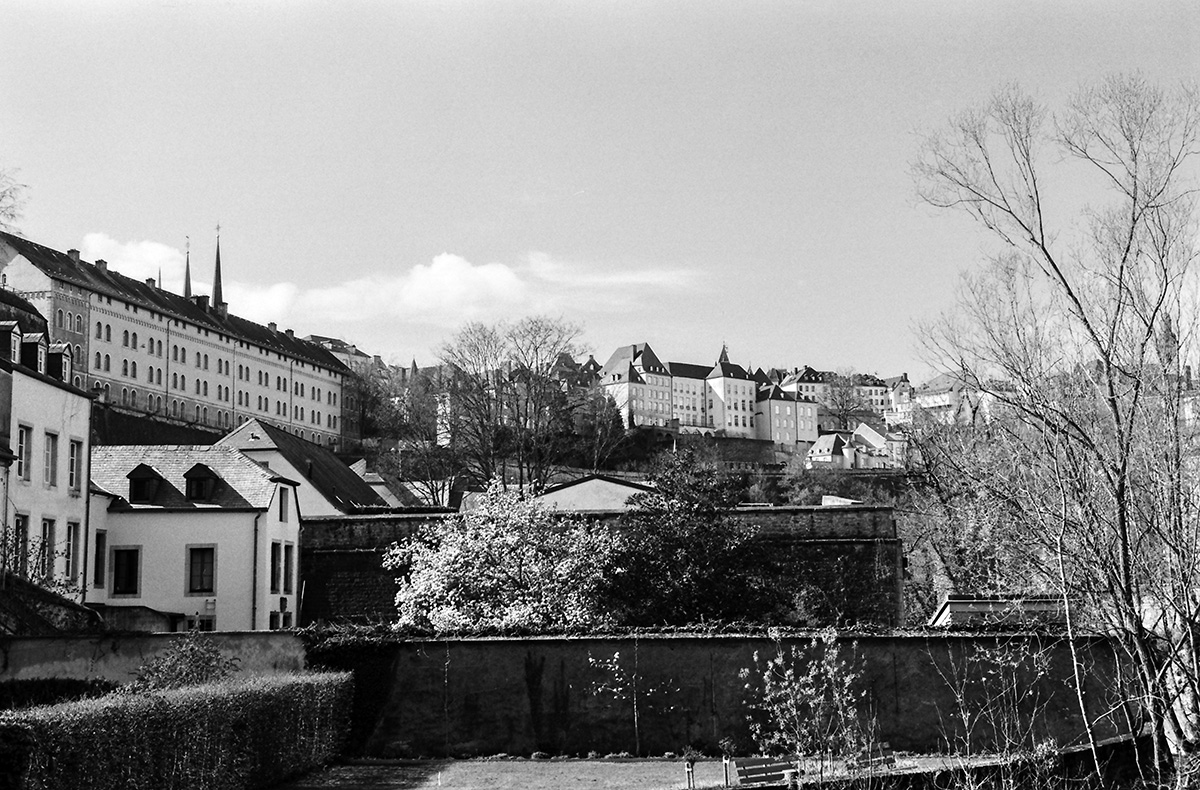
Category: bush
[191,660]
[233,734]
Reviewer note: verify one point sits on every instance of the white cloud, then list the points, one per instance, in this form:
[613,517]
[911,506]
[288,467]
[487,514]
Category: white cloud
[137,259]
[445,292]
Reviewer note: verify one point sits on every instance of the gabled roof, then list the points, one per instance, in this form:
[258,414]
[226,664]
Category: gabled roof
[639,357]
[728,370]
[241,484]
[827,444]
[61,266]
[636,487]
[319,467]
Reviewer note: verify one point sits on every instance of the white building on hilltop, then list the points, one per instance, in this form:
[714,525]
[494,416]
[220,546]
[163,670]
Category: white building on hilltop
[183,359]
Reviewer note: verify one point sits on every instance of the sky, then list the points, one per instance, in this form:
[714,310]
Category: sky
[687,173]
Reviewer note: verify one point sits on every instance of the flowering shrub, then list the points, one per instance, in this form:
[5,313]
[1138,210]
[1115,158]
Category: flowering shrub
[509,565]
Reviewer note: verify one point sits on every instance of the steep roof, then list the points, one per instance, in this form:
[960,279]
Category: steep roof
[241,484]
[728,370]
[321,468]
[686,370]
[61,266]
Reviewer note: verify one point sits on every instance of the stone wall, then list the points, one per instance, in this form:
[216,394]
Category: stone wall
[487,696]
[844,564]
[116,657]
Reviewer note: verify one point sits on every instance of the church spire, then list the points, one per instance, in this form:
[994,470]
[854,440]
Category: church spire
[217,299]
[187,270]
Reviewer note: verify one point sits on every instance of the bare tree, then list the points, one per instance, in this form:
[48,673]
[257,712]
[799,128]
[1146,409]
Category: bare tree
[843,400]
[1078,332]
[505,411]
[12,199]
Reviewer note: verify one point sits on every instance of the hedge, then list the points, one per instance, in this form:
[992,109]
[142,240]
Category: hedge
[50,691]
[233,734]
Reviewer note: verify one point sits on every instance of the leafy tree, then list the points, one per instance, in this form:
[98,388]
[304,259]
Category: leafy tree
[508,565]
[678,558]
[1078,332]
[599,431]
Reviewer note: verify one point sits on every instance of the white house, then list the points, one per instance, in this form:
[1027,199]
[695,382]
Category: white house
[193,536]
[45,427]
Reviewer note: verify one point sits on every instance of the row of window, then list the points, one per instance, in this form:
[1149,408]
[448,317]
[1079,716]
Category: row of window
[200,569]
[34,558]
[50,458]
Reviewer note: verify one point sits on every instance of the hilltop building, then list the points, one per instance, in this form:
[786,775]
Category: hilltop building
[182,359]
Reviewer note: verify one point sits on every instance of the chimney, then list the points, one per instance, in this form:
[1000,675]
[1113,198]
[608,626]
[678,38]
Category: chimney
[74,255]
[101,264]
[290,334]
[274,327]
[151,282]
[201,301]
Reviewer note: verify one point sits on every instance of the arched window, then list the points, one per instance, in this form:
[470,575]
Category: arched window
[174,408]
[206,389]
[125,338]
[133,369]
[205,415]
[124,396]
[70,321]
[174,353]
[97,360]
[133,340]
[58,318]
[79,323]
[174,381]
[183,383]
[107,363]
[158,377]
[106,392]
[125,367]
[78,382]
[99,330]
[77,359]
[182,355]
[206,361]
[197,386]
[107,333]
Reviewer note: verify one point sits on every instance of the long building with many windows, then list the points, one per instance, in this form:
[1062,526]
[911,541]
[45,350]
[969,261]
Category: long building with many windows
[181,359]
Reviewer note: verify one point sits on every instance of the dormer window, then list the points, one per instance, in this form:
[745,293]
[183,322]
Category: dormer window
[143,484]
[201,483]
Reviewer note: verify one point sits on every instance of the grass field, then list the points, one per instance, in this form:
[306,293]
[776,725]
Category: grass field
[514,775]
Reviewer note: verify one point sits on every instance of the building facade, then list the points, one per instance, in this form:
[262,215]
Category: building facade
[45,441]
[178,358]
[196,536]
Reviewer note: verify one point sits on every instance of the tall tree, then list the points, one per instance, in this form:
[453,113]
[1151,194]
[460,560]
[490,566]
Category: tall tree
[505,410]
[843,400]
[1078,332]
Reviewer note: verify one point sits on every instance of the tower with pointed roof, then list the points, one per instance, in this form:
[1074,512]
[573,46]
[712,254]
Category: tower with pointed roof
[187,273]
[218,298]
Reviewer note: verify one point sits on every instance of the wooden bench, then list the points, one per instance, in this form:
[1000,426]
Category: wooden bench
[761,770]
[881,756]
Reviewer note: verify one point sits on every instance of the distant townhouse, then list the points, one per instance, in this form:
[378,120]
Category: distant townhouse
[732,398]
[192,537]
[690,397]
[898,410]
[183,359]
[640,384]
[785,418]
[45,439]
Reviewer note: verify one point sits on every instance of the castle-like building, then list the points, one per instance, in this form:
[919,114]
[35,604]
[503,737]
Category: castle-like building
[178,358]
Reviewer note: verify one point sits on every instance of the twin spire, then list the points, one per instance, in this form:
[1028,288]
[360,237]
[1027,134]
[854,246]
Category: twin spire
[217,296]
